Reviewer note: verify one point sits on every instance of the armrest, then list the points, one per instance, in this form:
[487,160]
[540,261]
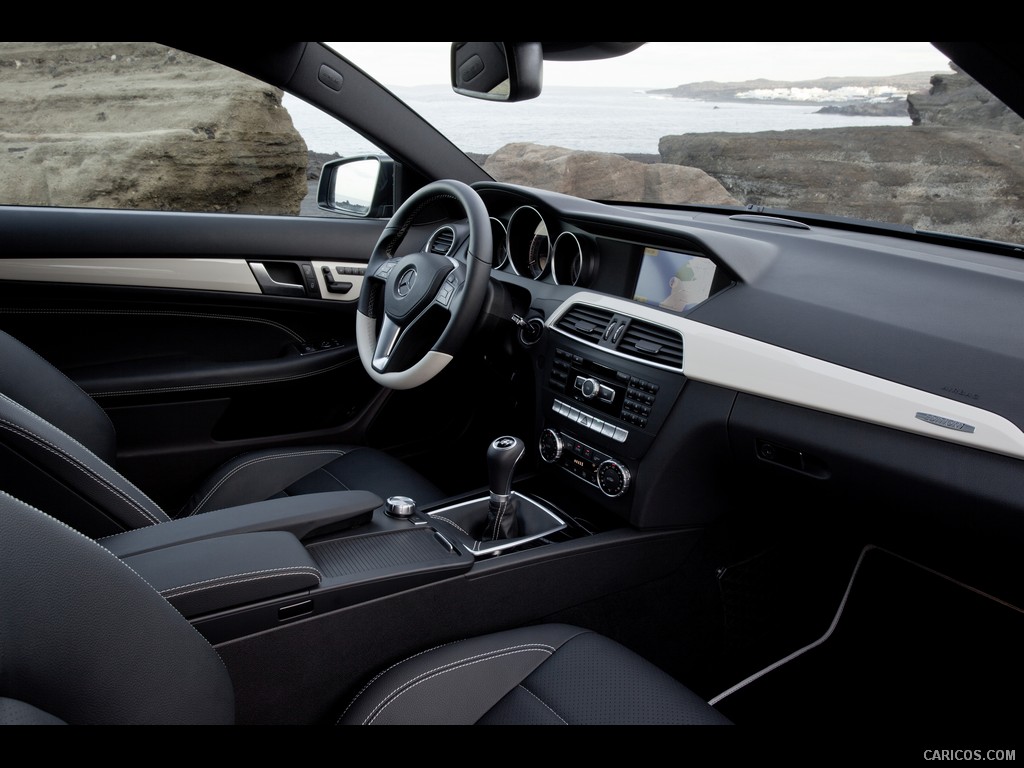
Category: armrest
[303,516]
[212,575]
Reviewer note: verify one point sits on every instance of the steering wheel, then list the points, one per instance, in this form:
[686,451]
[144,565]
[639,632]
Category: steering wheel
[416,311]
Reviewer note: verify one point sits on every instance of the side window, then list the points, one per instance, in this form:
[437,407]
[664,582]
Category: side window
[146,127]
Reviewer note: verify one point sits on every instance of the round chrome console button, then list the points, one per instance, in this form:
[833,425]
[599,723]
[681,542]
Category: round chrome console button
[612,478]
[550,446]
[399,507]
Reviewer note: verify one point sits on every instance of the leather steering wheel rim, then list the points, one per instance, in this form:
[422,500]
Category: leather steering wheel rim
[385,314]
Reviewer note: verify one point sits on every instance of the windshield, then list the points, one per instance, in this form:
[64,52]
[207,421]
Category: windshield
[886,132]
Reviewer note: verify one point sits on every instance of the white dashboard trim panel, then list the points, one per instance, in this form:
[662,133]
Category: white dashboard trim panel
[722,358]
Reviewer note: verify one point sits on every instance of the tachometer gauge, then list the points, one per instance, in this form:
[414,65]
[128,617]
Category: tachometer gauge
[529,245]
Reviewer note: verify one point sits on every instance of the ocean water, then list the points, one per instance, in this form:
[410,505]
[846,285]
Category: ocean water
[600,119]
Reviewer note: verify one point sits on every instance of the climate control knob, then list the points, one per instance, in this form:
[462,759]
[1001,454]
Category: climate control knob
[550,446]
[612,478]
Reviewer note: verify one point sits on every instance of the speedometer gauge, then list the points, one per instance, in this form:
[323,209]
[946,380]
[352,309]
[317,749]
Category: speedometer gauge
[499,236]
[529,244]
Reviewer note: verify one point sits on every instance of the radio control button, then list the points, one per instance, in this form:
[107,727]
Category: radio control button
[590,388]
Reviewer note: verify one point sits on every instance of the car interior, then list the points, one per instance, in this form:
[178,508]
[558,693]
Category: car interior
[436,460]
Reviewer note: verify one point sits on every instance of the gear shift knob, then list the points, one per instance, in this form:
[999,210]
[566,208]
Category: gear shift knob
[502,457]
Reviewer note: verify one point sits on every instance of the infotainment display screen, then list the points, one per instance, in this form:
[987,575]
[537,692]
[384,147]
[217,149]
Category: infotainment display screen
[674,281]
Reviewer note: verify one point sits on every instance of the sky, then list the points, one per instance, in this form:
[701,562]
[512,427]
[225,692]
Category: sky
[664,65]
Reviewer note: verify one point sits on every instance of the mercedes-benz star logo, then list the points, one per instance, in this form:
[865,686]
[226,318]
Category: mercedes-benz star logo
[406,282]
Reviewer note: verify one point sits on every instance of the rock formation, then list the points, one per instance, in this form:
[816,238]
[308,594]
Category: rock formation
[136,125]
[874,172]
[956,100]
[603,176]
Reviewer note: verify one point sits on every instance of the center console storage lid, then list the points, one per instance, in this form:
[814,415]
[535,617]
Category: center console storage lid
[303,516]
[214,574]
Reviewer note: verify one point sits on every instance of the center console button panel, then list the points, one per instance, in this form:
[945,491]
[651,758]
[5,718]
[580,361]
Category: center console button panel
[601,412]
[615,393]
[584,461]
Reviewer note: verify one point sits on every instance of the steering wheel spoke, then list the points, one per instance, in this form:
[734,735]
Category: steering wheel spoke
[387,340]
[422,306]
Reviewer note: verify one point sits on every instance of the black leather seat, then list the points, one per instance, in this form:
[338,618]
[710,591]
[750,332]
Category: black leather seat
[58,451]
[86,641]
[550,674]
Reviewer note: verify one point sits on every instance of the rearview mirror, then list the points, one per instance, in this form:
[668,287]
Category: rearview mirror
[498,71]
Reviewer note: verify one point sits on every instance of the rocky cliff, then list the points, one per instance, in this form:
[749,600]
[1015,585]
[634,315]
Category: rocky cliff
[869,173]
[873,172]
[956,100]
[136,125]
[601,176]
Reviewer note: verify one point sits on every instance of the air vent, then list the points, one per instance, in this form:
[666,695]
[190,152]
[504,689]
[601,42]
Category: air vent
[441,241]
[583,322]
[647,341]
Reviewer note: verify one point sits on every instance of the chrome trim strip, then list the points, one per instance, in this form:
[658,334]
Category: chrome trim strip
[503,544]
[232,275]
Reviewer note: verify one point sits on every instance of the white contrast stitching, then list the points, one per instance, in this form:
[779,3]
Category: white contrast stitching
[452,523]
[71,381]
[72,461]
[256,460]
[393,666]
[408,685]
[236,578]
[545,704]
[502,507]
[61,432]
[106,551]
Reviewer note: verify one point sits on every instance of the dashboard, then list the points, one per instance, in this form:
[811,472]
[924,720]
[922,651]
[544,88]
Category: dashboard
[652,329]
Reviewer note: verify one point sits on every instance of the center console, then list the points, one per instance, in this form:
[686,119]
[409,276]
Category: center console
[240,571]
[601,409]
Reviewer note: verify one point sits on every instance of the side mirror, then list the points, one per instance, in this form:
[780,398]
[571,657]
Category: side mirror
[498,71]
[358,186]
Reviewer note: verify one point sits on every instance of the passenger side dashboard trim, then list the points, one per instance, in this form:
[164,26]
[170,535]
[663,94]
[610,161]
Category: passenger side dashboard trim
[729,360]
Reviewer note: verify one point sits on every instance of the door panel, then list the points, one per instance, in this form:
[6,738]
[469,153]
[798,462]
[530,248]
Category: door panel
[193,371]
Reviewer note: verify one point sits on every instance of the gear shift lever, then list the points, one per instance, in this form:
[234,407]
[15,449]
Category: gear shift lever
[502,456]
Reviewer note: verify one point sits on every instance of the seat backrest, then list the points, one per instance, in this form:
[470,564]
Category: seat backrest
[27,378]
[51,470]
[57,449]
[84,640]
